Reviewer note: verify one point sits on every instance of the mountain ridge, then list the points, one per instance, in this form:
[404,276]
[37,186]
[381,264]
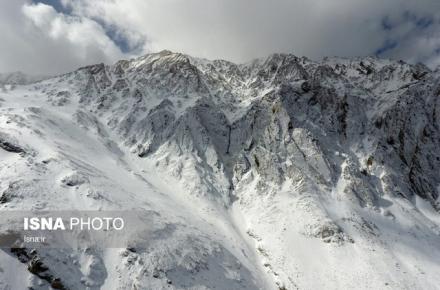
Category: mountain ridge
[288,173]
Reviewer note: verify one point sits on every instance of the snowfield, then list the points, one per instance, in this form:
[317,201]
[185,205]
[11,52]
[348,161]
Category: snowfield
[282,173]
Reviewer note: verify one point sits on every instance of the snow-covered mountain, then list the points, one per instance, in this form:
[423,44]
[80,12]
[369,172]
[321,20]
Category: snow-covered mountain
[19,78]
[281,173]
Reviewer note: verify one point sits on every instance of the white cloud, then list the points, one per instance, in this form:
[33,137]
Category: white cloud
[86,36]
[243,29]
[236,30]
[38,39]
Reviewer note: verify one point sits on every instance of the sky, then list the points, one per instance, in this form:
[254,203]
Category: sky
[57,36]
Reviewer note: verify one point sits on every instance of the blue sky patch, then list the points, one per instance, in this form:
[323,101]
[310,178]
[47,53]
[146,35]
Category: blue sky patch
[387,46]
[424,22]
[387,24]
[119,38]
[56,4]
[421,22]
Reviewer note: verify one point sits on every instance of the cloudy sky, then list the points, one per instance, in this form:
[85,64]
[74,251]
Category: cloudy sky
[55,36]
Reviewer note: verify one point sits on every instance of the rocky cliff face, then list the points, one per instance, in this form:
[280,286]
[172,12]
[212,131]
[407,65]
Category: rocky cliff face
[282,173]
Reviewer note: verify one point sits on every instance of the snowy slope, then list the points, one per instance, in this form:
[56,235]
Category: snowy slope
[19,78]
[282,173]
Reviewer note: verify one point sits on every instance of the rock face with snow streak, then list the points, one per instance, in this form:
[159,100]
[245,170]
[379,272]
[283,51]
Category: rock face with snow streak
[282,173]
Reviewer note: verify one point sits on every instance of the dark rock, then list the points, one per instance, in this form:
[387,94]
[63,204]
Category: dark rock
[131,249]
[57,284]
[21,254]
[13,148]
[37,267]
[4,198]
[306,87]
